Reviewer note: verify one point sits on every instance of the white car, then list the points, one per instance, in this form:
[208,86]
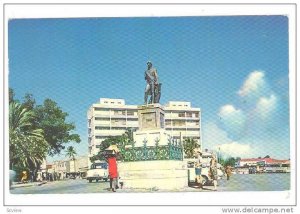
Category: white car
[98,171]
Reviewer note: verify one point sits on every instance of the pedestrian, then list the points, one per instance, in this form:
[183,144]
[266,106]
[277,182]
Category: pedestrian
[24,177]
[120,181]
[214,172]
[31,175]
[39,176]
[228,172]
[111,157]
[198,167]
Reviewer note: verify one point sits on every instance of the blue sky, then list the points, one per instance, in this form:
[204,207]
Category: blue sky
[234,68]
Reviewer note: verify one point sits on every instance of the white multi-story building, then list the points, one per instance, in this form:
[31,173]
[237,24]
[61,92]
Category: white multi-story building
[111,117]
[183,121]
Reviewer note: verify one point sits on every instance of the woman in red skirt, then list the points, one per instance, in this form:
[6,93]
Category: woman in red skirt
[113,171]
[112,166]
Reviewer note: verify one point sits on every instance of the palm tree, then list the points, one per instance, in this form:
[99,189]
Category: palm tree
[71,152]
[189,145]
[27,145]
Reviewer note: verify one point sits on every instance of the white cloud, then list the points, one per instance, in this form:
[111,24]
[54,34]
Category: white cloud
[253,127]
[253,84]
[234,149]
[266,106]
[213,135]
[232,120]
[227,109]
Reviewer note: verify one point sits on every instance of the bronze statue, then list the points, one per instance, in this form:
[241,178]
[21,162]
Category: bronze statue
[153,87]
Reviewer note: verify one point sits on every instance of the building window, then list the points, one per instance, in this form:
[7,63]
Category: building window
[102,128]
[181,114]
[196,114]
[168,123]
[130,113]
[116,112]
[102,136]
[179,129]
[193,129]
[101,109]
[102,119]
[118,122]
[178,123]
[189,114]
[118,128]
[132,119]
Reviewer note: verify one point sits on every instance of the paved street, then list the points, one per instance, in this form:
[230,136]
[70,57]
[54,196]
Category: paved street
[256,182]
[64,187]
[83,186]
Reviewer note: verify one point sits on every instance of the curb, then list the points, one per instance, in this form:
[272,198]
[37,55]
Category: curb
[28,184]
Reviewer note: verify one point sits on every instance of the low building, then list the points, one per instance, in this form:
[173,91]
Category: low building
[81,165]
[67,167]
[262,165]
[60,167]
[259,161]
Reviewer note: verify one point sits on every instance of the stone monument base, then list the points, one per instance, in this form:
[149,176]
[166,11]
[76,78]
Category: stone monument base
[151,136]
[156,174]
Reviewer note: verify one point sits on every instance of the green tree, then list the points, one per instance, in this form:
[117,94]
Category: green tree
[27,145]
[29,101]
[120,141]
[11,95]
[230,161]
[189,145]
[57,131]
[71,152]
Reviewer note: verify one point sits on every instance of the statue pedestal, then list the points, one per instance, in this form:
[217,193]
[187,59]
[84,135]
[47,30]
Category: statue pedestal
[155,175]
[151,117]
[154,160]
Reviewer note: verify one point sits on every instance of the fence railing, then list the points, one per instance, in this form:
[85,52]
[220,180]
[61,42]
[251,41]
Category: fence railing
[171,151]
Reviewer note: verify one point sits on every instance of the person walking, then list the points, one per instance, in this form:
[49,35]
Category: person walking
[112,166]
[24,176]
[214,172]
[198,165]
[228,172]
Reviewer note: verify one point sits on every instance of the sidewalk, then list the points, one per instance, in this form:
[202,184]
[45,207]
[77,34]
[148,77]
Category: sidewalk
[29,184]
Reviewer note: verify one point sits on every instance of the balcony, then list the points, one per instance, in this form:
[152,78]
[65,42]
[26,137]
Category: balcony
[102,115]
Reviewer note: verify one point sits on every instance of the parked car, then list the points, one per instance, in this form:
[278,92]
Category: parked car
[98,171]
